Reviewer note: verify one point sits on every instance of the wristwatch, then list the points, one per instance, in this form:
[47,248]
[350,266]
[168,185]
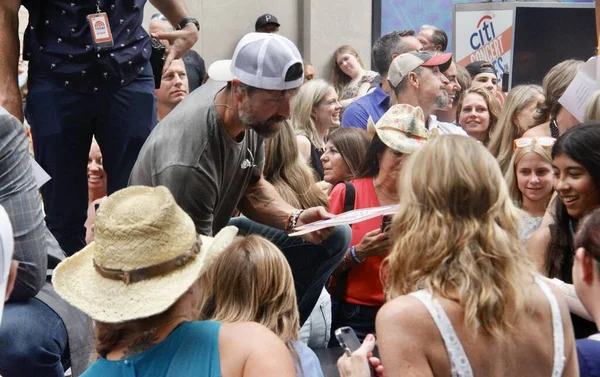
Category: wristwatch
[188,20]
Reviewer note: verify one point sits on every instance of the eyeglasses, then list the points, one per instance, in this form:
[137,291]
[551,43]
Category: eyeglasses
[544,141]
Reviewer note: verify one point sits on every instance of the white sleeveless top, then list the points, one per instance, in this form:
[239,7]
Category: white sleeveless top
[456,354]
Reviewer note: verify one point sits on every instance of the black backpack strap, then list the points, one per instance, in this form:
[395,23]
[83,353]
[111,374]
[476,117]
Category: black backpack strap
[350,197]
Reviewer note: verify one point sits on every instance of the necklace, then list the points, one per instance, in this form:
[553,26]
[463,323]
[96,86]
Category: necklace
[378,188]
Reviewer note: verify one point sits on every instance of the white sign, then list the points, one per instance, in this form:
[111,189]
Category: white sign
[487,36]
[576,97]
[350,217]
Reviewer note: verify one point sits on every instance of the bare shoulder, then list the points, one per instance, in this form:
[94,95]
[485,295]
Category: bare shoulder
[248,349]
[403,314]
[538,131]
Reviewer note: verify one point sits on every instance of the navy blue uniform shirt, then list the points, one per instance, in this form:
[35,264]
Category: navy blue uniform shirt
[59,45]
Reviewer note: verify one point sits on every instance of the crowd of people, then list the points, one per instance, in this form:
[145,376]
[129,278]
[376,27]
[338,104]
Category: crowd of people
[173,254]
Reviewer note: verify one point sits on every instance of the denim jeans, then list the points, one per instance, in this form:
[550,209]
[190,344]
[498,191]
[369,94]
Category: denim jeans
[311,264]
[33,341]
[360,318]
[316,330]
[62,125]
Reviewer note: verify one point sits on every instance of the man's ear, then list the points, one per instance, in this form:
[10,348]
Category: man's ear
[237,89]
[587,265]
[413,79]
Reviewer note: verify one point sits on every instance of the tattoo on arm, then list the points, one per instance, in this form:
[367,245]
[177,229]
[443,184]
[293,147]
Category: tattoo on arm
[258,197]
[142,343]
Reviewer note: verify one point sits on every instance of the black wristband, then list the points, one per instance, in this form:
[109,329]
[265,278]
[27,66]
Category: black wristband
[188,20]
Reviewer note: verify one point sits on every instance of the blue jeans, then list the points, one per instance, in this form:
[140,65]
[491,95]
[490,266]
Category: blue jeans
[62,125]
[360,318]
[311,264]
[33,341]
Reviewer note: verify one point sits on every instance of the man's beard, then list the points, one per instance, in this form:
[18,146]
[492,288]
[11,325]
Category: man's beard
[267,129]
[442,101]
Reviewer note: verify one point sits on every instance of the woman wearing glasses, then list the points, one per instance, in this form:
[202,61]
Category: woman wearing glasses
[576,164]
[530,181]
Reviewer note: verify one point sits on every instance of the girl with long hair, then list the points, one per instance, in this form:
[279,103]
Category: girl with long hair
[477,113]
[251,281]
[530,181]
[463,298]
[519,113]
[576,164]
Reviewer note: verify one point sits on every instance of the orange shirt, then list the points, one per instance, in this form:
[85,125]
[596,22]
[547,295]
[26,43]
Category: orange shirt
[364,285]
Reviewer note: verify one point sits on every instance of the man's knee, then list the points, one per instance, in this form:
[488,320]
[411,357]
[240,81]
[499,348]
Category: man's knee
[339,240]
[30,336]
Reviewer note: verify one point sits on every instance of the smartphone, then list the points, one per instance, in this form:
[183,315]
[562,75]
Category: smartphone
[157,60]
[386,222]
[349,341]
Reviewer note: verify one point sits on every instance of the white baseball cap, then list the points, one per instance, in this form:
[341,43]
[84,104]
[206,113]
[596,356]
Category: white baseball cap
[6,253]
[261,60]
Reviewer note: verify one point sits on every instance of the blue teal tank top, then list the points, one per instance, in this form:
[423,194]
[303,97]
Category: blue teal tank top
[192,349]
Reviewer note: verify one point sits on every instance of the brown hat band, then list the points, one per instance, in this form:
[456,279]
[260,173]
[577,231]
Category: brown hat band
[144,273]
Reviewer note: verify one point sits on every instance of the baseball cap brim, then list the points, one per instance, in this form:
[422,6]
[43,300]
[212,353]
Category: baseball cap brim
[440,60]
[221,70]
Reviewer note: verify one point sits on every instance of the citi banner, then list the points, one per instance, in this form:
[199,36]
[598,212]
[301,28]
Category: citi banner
[487,36]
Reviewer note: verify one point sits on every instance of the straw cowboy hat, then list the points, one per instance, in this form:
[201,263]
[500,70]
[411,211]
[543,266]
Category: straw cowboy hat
[401,128]
[145,255]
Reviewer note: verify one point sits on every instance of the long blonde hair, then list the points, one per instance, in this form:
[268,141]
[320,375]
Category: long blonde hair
[292,179]
[251,281]
[308,97]
[501,142]
[511,173]
[457,234]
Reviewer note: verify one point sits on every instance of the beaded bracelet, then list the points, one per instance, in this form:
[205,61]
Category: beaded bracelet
[290,226]
[354,256]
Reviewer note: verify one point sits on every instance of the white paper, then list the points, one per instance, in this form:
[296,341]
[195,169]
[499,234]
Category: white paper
[576,97]
[40,175]
[350,217]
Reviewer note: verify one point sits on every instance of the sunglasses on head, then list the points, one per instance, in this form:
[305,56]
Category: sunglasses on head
[544,141]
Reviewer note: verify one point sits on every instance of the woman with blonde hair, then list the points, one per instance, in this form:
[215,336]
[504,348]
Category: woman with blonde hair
[554,118]
[292,179]
[251,281]
[463,297]
[315,109]
[530,181]
[349,78]
[518,114]
[477,113]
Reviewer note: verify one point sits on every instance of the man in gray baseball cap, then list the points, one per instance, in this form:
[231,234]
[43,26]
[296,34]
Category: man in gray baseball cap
[416,79]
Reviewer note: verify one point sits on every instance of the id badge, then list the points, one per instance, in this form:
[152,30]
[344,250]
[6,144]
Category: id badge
[100,27]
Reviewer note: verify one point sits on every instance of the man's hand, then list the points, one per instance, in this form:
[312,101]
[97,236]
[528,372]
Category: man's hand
[310,216]
[179,42]
[357,364]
